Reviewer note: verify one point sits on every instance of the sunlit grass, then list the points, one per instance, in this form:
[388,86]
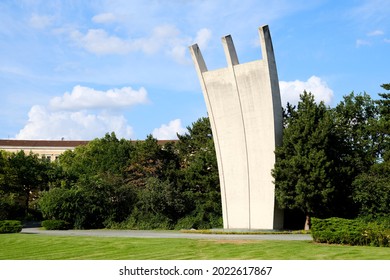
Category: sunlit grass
[41,247]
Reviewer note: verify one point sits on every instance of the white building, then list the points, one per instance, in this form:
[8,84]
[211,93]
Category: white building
[49,149]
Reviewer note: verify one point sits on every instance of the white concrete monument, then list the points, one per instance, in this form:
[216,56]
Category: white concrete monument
[245,111]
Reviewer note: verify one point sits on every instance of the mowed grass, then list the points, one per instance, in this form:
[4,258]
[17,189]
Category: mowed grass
[40,247]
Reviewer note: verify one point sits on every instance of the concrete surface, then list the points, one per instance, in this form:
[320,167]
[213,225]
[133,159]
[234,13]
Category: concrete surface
[245,111]
[165,234]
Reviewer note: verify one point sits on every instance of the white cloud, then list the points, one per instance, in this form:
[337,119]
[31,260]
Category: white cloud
[163,36]
[99,42]
[104,18]
[203,37]
[179,46]
[169,131]
[40,21]
[375,33]
[167,38]
[44,124]
[179,54]
[89,98]
[360,42]
[290,91]
[85,113]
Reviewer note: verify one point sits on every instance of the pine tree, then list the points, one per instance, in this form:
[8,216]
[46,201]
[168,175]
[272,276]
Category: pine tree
[304,165]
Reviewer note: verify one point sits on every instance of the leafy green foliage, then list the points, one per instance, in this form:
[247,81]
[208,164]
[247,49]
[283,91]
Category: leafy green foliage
[10,226]
[355,147]
[55,225]
[372,190]
[91,204]
[22,177]
[92,192]
[149,159]
[333,162]
[304,166]
[105,155]
[372,187]
[150,186]
[351,232]
[159,206]
[199,179]
[355,119]
[383,125]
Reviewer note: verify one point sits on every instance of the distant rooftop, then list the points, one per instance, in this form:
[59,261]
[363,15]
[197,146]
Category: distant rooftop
[42,143]
[55,143]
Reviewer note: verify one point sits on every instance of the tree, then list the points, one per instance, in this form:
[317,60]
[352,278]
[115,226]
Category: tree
[27,177]
[198,157]
[355,118]
[10,206]
[199,179]
[355,147]
[152,172]
[383,125]
[101,155]
[159,205]
[372,187]
[333,162]
[150,159]
[372,191]
[92,192]
[93,202]
[304,167]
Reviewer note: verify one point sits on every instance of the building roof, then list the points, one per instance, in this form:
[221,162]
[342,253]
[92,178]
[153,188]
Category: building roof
[54,143]
[42,143]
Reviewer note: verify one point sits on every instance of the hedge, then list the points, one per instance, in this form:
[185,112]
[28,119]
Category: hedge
[10,226]
[55,225]
[351,232]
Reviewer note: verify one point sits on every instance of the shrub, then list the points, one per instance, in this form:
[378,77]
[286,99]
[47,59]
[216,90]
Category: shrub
[187,222]
[139,220]
[55,225]
[10,226]
[200,220]
[377,233]
[351,232]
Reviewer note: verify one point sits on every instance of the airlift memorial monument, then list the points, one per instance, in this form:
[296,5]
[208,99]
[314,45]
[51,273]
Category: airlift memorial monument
[245,112]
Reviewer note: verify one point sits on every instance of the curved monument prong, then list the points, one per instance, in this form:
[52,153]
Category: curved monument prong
[197,57]
[269,58]
[267,49]
[230,51]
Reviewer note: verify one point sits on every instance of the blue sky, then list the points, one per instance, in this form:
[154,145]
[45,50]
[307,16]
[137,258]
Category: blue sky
[78,69]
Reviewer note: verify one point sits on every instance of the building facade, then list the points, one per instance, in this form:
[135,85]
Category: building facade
[48,149]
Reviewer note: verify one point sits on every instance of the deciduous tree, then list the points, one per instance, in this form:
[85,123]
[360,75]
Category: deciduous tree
[372,187]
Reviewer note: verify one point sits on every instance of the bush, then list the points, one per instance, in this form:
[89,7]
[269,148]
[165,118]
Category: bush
[146,221]
[55,225]
[10,208]
[187,222]
[10,226]
[351,232]
[200,220]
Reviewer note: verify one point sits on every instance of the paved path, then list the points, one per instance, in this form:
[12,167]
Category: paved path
[166,234]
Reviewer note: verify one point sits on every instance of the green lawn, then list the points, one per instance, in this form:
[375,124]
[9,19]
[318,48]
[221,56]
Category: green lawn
[40,247]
